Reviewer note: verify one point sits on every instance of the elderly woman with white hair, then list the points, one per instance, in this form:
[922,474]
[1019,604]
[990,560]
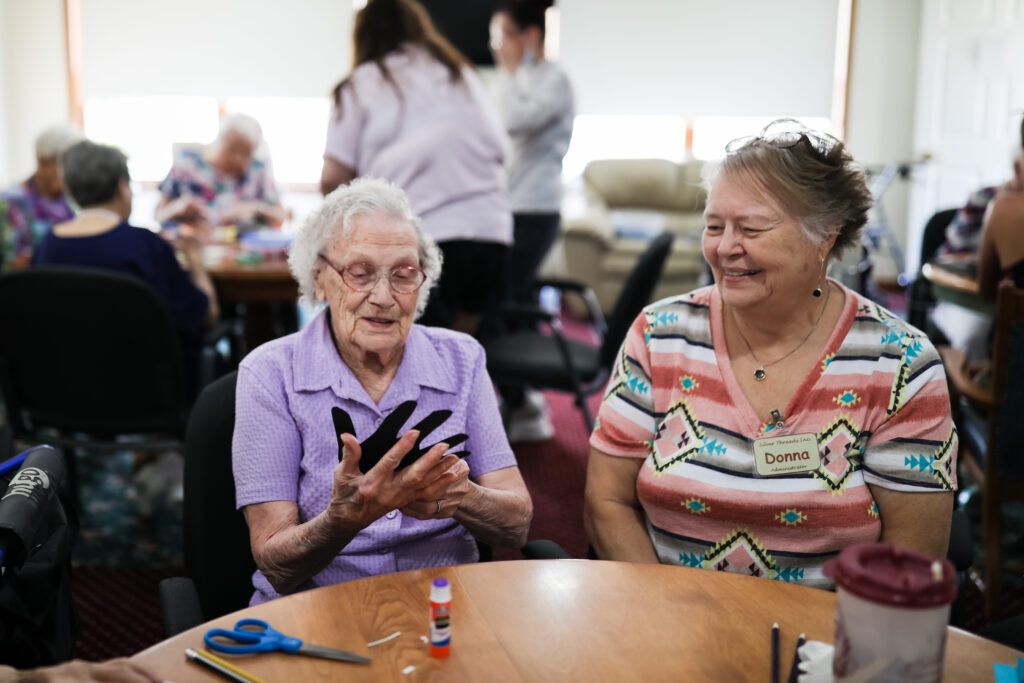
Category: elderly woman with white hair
[329,467]
[223,183]
[29,209]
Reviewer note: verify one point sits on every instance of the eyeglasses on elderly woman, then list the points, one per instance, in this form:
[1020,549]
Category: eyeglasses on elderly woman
[362,277]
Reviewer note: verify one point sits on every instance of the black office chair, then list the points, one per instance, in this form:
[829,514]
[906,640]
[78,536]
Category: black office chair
[89,358]
[218,557]
[921,296]
[550,361]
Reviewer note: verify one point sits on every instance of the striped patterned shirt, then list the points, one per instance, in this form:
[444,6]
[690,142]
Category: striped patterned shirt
[877,404]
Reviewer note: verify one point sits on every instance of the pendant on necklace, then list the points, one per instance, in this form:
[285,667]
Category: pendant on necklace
[759,374]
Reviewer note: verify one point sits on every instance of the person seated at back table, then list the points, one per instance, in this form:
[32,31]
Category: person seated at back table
[774,359]
[96,177]
[1002,245]
[222,183]
[320,416]
[29,209]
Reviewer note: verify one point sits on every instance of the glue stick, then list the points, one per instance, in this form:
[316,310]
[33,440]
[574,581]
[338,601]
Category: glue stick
[440,618]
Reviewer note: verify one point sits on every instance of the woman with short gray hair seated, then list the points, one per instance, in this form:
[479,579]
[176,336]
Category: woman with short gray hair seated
[223,183]
[99,236]
[29,209]
[329,468]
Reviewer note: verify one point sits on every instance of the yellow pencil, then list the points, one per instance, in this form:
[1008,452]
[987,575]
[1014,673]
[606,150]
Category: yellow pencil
[222,666]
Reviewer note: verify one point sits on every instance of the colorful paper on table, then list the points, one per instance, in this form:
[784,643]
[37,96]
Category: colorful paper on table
[1007,673]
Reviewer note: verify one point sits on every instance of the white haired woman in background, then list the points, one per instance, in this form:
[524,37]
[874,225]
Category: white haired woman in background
[29,209]
[222,183]
[329,470]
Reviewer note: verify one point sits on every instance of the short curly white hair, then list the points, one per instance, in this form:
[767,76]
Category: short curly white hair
[333,220]
[53,141]
[244,125]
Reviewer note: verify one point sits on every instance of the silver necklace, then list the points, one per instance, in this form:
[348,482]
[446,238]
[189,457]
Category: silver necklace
[760,374]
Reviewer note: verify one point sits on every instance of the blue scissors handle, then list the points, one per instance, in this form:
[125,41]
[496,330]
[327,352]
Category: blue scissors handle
[258,637]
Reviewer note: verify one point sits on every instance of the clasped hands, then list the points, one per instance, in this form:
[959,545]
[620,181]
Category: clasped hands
[388,472]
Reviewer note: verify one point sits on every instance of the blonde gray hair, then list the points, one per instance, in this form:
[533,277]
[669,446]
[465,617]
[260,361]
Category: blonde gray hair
[334,219]
[808,175]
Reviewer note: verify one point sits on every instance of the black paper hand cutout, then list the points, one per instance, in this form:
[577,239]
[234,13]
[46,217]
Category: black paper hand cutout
[380,442]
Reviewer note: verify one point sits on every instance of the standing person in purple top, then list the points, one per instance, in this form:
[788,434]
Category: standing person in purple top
[320,439]
[413,111]
[29,209]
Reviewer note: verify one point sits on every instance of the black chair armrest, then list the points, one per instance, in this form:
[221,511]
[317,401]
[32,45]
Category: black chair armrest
[961,552]
[544,549]
[526,312]
[179,605]
[586,293]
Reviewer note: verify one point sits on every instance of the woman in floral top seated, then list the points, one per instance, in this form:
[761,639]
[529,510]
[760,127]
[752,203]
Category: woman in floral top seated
[222,183]
[29,209]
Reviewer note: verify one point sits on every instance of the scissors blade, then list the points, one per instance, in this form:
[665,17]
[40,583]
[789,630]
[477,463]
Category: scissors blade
[331,653]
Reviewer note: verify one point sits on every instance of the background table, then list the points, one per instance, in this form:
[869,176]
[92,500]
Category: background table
[556,620]
[265,289]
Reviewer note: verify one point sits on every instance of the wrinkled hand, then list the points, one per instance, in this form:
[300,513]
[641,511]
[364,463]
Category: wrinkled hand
[189,209]
[358,499]
[444,496]
[380,442]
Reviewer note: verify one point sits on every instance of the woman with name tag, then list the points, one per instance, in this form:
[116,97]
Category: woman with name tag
[764,423]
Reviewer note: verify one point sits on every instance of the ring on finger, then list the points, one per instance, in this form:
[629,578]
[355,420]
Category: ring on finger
[438,507]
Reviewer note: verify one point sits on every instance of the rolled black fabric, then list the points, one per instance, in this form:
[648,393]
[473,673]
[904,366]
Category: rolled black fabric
[26,503]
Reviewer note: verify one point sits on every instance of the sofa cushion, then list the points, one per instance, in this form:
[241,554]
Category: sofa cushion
[647,183]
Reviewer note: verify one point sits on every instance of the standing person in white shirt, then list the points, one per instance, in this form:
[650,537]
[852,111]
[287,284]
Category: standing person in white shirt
[414,111]
[536,105]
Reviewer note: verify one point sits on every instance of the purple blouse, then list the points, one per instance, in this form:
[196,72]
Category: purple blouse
[285,447]
[25,216]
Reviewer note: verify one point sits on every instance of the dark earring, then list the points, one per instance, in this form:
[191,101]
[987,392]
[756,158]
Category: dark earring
[817,291]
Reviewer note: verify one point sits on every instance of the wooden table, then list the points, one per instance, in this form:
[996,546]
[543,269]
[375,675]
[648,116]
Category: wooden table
[266,290]
[555,620]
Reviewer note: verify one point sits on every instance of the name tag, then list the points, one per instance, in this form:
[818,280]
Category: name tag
[790,454]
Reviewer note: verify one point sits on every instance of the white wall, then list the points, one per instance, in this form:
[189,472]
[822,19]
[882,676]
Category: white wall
[883,76]
[35,84]
[693,57]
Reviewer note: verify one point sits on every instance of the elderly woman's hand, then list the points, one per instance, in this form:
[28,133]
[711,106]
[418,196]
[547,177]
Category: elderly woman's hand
[443,497]
[358,499]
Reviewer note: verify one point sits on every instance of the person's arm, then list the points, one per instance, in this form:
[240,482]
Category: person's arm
[524,110]
[496,508]
[334,175]
[289,553]
[902,513]
[197,271]
[112,671]
[989,270]
[185,209]
[15,222]
[612,514]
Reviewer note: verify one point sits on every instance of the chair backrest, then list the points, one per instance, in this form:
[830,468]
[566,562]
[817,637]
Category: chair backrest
[218,557]
[88,350]
[636,293]
[1006,429]
[935,233]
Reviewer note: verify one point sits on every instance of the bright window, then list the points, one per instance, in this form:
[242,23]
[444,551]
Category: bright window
[145,128]
[294,130]
[623,137]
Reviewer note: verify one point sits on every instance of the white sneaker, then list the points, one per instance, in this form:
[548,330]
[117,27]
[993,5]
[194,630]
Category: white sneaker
[530,420]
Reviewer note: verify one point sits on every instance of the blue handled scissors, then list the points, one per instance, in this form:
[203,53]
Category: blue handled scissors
[252,636]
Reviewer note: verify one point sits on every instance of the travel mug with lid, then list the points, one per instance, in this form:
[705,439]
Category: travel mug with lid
[893,607]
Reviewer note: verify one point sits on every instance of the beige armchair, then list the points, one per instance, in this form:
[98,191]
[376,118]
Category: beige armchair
[626,202]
